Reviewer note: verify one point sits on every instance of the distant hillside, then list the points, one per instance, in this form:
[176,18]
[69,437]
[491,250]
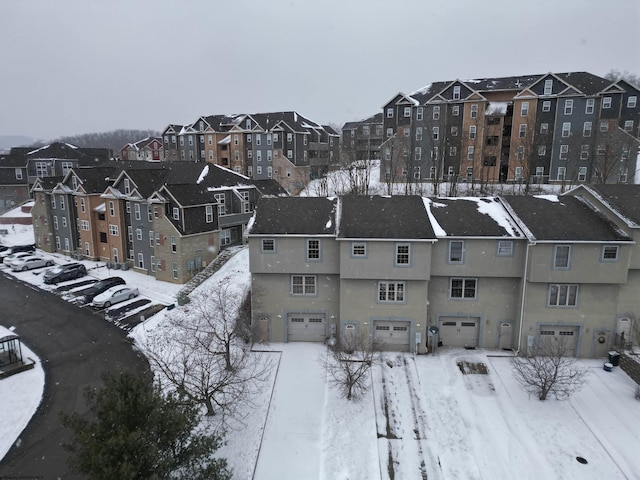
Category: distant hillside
[9,141]
[114,140]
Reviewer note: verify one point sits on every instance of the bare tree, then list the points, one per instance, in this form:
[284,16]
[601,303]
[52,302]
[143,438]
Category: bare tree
[201,352]
[547,371]
[348,363]
[612,158]
[615,75]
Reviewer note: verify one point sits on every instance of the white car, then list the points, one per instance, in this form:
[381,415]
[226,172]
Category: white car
[29,263]
[116,294]
[9,259]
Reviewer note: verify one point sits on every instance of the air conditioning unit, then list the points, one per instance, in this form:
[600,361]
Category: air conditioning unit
[125,266]
[116,266]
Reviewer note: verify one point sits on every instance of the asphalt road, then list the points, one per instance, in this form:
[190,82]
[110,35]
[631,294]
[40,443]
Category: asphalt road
[75,347]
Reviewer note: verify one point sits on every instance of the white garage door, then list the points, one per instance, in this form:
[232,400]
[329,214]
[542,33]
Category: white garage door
[391,336]
[459,331]
[306,328]
[567,335]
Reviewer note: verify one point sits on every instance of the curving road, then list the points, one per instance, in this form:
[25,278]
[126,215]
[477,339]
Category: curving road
[75,346]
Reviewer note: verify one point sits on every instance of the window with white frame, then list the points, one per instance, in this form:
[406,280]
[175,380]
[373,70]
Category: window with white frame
[562,295]
[470,152]
[544,128]
[221,201]
[313,249]
[455,110]
[268,245]
[289,153]
[542,150]
[140,260]
[403,254]
[564,150]
[419,113]
[138,233]
[436,133]
[566,129]
[562,173]
[87,248]
[225,236]
[303,284]
[130,233]
[176,213]
[464,288]
[623,175]
[407,112]
[454,131]
[406,131]
[208,213]
[582,174]
[520,152]
[568,107]
[174,245]
[416,173]
[418,133]
[606,102]
[524,109]
[590,106]
[474,111]
[151,235]
[174,270]
[600,150]
[456,92]
[112,209]
[456,251]
[546,106]
[289,137]
[83,206]
[64,222]
[561,256]
[136,210]
[584,152]
[522,130]
[127,186]
[84,224]
[418,153]
[587,129]
[436,112]
[18,173]
[259,170]
[391,292]
[610,253]
[113,230]
[453,151]
[472,131]
[259,155]
[632,101]
[58,243]
[152,263]
[518,173]
[628,125]
[505,248]
[389,112]
[539,171]
[359,249]
[258,139]
[604,126]
[548,87]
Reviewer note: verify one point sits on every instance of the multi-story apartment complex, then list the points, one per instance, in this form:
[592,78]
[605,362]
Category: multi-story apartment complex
[283,146]
[165,220]
[492,272]
[556,127]
[361,140]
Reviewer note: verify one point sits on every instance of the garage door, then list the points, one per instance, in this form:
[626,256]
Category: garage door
[306,328]
[567,335]
[391,336]
[459,331]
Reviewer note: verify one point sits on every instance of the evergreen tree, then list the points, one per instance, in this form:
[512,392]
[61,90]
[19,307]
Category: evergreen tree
[133,432]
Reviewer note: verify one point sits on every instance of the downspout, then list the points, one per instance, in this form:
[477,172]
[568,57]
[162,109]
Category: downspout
[524,294]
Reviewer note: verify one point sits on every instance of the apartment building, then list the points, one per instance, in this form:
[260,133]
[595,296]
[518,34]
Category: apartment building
[556,127]
[490,272]
[361,140]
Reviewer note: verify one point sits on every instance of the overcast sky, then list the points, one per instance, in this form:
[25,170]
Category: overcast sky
[78,66]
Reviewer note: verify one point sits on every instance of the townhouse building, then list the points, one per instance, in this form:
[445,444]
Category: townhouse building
[361,140]
[283,146]
[491,272]
[148,149]
[14,189]
[557,127]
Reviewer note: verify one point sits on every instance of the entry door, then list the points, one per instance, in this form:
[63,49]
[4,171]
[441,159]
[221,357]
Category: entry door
[505,339]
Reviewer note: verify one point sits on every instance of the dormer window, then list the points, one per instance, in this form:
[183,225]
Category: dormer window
[176,213]
[127,186]
[548,87]
[456,92]
[248,124]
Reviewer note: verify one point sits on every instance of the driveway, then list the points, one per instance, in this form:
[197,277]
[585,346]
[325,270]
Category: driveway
[75,346]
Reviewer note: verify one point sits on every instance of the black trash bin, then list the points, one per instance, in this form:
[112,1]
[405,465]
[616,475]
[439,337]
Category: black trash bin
[614,358]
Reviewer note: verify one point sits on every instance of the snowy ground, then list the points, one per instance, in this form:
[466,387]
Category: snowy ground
[422,418]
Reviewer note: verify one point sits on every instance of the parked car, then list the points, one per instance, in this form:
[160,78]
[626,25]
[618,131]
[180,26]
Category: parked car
[65,272]
[16,249]
[113,295]
[3,248]
[100,286]
[29,263]
[9,259]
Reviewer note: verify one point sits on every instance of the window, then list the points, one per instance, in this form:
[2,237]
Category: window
[632,101]
[389,112]
[303,284]
[289,137]
[518,173]
[563,295]
[136,209]
[418,133]
[548,87]
[359,249]
[258,139]
[138,233]
[289,153]
[589,106]
[58,243]
[542,150]
[586,129]
[584,152]
[566,129]
[564,150]
[453,151]
[505,248]
[151,238]
[456,92]
[130,233]
[406,131]
[313,249]
[391,292]
[568,107]
[174,270]
[221,201]
[463,288]
[474,111]
[140,260]
[628,125]
[610,252]
[562,173]
[455,110]
[539,171]
[83,207]
[84,225]
[544,128]
[113,230]
[524,109]
[419,113]
[174,245]
[418,153]
[546,106]
[18,172]
[604,126]
[103,237]
[64,222]
[112,209]
[470,152]
[582,174]
[248,138]
[520,152]
[407,112]
[606,102]
[456,251]
[623,175]
[436,133]
[561,256]
[472,131]
[268,245]
[522,130]
[436,112]
[403,254]
[176,213]
[87,248]
[208,213]
[225,237]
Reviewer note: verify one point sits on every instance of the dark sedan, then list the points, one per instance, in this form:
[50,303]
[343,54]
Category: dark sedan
[100,286]
[61,273]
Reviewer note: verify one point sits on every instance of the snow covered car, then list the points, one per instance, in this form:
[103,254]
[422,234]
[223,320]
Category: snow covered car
[61,273]
[113,295]
[101,286]
[29,263]
[9,259]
